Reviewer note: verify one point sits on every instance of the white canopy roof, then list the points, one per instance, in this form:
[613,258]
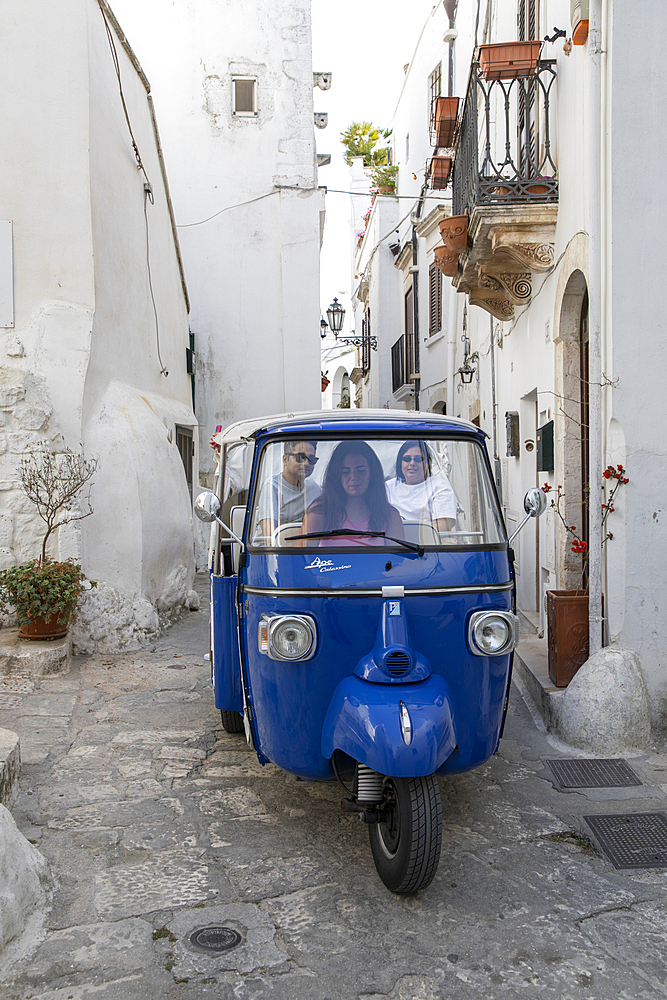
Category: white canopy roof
[246,428]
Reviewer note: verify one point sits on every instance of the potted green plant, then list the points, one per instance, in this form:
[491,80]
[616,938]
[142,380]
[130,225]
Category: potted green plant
[45,592]
[567,610]
[383,180]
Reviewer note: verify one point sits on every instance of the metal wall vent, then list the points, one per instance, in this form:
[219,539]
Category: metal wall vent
[397,663]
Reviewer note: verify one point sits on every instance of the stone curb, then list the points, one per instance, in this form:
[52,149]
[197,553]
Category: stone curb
[10,766]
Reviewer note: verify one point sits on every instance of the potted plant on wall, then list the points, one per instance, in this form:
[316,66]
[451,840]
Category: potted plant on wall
[44,593]
[383,180]
[567,610]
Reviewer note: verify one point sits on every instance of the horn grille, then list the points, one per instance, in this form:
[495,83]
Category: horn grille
[397,663]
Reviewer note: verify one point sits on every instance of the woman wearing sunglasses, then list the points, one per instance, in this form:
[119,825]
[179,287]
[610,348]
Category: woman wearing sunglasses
[354,498]
[416,493]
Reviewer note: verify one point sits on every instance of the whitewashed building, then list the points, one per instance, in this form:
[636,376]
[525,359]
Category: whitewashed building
[553,339]
[233,87]
[93,309]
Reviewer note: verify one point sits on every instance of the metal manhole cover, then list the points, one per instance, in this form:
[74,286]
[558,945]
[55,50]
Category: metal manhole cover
[593,773]
[632,840]
[215,938]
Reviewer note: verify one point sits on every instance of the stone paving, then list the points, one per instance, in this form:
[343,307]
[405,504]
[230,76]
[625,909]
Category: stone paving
[157,823]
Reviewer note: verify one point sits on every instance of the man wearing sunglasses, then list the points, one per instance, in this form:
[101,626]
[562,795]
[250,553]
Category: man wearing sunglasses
[285,497]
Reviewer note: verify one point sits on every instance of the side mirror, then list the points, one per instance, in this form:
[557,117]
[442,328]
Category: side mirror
[535,502]
[207,506]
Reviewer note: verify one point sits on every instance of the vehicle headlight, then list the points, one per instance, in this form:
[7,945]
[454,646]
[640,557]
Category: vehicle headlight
[287,637]
[492,633]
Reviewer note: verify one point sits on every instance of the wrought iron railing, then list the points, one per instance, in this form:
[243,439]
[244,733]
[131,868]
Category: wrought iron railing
[504,152]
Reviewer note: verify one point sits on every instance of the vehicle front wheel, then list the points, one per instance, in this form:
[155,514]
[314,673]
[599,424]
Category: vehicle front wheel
[232,722]
[406,844]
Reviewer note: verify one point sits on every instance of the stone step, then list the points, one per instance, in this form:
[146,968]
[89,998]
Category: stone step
[28,658]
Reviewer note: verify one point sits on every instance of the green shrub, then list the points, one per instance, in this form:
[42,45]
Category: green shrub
[42,589]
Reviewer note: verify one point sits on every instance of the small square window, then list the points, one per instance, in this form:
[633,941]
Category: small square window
[244,96]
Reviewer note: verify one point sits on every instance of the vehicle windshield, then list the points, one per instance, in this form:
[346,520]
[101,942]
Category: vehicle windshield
[369,493]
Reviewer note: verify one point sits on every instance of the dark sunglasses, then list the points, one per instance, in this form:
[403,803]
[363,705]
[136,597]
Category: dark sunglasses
[300,456]
[413,458]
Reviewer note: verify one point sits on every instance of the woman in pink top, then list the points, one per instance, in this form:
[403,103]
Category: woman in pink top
[354,497]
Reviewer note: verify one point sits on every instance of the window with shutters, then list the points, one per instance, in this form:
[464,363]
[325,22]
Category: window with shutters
[410,352]
[365,344]
[434,89]
[434,299]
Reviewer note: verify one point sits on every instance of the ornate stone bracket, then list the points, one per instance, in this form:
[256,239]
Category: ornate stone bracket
[535,256]
[509,244]
[517,285]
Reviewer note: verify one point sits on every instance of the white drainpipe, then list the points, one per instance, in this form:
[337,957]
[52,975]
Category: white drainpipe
[595,331]
[451,349]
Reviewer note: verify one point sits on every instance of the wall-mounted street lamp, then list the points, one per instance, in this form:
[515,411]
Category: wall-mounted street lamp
[467,369]
[336,315]
[324,328]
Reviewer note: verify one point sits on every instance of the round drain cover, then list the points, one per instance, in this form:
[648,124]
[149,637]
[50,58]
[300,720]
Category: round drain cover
[215,938]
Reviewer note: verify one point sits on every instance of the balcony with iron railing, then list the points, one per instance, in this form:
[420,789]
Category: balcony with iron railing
[505,180]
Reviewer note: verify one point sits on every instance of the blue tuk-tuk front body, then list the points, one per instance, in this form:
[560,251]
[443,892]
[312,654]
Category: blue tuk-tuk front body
[395,682]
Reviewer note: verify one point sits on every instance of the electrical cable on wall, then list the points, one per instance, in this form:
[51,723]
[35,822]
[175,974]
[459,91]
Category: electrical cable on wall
[148,187]
[148,196]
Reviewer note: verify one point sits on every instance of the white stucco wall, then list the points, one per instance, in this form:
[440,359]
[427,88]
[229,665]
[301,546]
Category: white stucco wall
[84,317]
[532,361]
[636,350]
[252,271]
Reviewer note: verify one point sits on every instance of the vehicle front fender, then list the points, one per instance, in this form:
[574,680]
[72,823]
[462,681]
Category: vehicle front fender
[363,720]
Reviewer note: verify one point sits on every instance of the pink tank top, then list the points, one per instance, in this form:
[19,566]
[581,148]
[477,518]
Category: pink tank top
[352,539]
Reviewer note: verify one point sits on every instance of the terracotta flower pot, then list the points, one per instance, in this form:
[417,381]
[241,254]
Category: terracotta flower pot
[445,115]
[44,628]
[567,629]
[439,170]
[454,232]
[537,189]
[447,260]
[325,383]
[509,60]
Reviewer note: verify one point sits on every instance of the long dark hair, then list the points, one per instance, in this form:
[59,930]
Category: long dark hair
[425,455]
[333,499]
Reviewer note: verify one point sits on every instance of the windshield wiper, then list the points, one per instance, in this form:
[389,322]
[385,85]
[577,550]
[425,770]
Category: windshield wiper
[413,546]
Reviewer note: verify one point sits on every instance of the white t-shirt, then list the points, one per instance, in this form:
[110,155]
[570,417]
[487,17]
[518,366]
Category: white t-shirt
[424,502]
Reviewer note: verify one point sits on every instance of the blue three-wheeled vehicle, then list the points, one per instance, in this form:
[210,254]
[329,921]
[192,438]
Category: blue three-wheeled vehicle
[363,614]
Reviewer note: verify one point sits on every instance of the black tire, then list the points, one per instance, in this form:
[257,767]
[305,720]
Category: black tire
[232,722]
[406,846]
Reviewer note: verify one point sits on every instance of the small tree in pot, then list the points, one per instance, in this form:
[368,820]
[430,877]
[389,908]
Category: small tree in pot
[45,592]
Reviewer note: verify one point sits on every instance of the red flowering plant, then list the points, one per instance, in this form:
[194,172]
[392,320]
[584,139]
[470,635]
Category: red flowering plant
[578,545]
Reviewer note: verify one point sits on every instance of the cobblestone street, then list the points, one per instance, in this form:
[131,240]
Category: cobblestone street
[156,823]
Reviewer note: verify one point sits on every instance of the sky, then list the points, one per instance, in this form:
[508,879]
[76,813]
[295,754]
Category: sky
[365,44]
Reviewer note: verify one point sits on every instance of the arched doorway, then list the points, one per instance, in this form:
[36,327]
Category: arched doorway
[571,406]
